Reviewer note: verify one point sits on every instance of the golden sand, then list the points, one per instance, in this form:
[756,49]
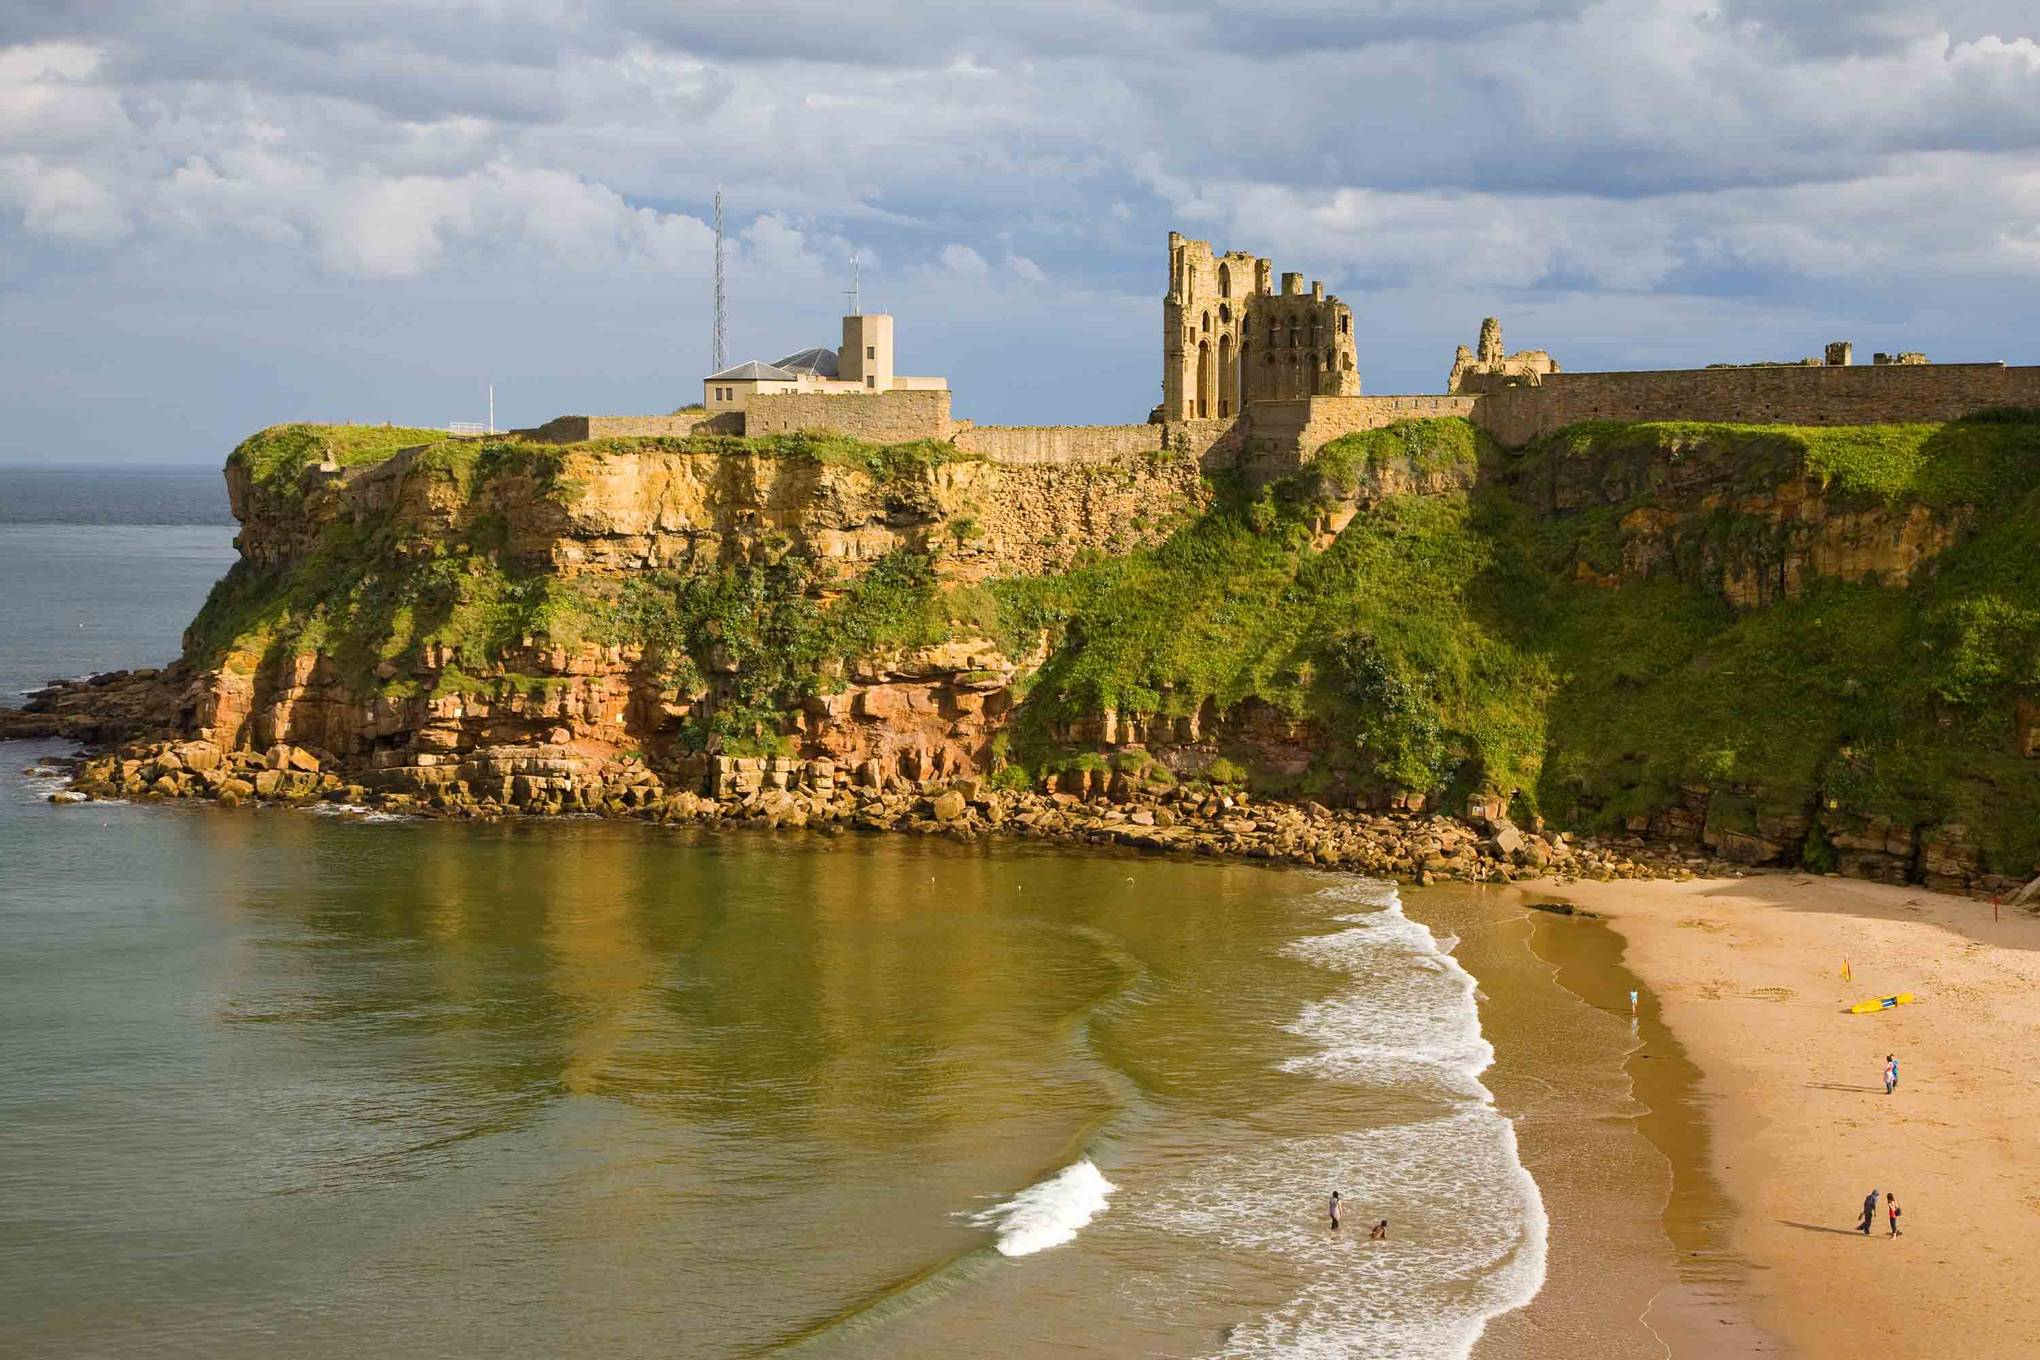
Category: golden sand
[1747,975]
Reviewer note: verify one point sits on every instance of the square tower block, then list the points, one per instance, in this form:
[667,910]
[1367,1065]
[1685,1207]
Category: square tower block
[867,353]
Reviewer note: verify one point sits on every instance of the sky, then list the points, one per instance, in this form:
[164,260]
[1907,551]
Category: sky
[218,216]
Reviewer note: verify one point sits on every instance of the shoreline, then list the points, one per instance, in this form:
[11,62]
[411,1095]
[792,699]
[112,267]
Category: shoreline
[1627,1204]
[1745,975]
[1722,964]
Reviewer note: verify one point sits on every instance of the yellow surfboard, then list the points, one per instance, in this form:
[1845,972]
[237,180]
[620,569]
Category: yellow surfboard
[1881,1003]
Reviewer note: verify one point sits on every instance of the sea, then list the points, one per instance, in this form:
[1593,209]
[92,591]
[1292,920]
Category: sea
[285,1082]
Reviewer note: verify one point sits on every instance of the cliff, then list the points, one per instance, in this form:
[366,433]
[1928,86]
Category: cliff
[1785,645]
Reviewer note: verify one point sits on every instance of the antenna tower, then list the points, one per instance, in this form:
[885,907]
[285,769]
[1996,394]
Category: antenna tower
[716,342]
[851,291]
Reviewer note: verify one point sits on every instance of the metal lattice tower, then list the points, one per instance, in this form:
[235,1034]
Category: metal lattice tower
[716,341]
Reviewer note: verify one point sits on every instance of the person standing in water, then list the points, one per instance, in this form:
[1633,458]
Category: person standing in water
[1869,1213]
[1890,1073]
[1335,1211]
[1379,1232]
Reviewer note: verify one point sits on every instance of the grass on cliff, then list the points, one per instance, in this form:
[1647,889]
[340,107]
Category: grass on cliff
[275,456]
[1964,462]
[1386,639]
[279,453]
[1445,643]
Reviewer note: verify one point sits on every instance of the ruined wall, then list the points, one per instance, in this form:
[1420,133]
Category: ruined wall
[1770,395]
[895,417]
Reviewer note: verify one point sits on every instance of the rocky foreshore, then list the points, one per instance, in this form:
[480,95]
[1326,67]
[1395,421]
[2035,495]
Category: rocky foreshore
[1096,808]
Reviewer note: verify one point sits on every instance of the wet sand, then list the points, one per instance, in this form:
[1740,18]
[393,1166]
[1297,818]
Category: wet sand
[1746,974]
[1608,1121]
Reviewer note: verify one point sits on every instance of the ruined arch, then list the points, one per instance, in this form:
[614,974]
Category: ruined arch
[1228,377]
[1225,281]
[1206,380]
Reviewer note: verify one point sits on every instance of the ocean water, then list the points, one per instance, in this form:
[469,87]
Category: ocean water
[100,570]
[283,1082]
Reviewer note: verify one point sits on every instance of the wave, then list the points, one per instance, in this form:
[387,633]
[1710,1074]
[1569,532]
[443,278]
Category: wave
[1051,1212]
[1468,1230]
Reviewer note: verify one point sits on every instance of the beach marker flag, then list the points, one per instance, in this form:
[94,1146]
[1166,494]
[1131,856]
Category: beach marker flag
[1847,976]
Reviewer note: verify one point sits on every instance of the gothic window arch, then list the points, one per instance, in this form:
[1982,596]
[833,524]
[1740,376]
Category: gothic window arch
[1225,281]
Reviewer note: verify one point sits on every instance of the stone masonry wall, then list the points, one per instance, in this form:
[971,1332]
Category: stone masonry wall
[1024,445]
[1781,394]
[895,417]
[1060,443]
[576,429]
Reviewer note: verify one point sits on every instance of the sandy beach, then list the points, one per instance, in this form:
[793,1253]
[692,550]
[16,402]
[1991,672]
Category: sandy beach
[1747,974]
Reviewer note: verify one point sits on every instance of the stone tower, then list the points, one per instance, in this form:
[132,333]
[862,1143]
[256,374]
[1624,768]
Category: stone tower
[1229,338]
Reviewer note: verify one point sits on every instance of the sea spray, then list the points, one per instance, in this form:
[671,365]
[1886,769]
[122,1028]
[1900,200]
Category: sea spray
[1051,1212]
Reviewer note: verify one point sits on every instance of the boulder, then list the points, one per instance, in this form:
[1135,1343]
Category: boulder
[949,805]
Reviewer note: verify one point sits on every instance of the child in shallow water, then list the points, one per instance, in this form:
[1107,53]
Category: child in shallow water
[1379,1232]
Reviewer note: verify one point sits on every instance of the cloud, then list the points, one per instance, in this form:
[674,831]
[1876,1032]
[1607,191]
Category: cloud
[960,259]
[60,202]
[1791,163]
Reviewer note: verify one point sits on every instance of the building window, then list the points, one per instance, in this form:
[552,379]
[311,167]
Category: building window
[871,380]
[871,351]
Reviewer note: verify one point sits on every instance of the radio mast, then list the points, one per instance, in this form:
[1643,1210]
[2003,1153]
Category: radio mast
[719,352]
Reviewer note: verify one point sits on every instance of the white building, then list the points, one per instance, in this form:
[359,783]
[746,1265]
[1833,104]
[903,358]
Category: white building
[863,365]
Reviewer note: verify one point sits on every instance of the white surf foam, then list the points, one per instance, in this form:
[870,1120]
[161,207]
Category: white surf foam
[1467,1238]
[359,812]
[1051,1212]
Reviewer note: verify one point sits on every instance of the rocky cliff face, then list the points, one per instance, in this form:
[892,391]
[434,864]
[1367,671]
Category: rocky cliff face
[1817,647]
[418,710]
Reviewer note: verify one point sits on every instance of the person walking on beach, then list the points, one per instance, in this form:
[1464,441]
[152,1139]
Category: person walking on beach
[1869,1213]
[1890,1073]
[1891,1208]
[1335,1211]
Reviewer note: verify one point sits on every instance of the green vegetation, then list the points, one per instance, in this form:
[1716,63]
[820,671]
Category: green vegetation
[1460,642]
[275,456]
[1423,446]
[1445,643]
[279,453]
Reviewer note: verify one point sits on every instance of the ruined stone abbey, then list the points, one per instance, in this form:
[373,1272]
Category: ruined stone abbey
[1228,338]
[1258,378]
